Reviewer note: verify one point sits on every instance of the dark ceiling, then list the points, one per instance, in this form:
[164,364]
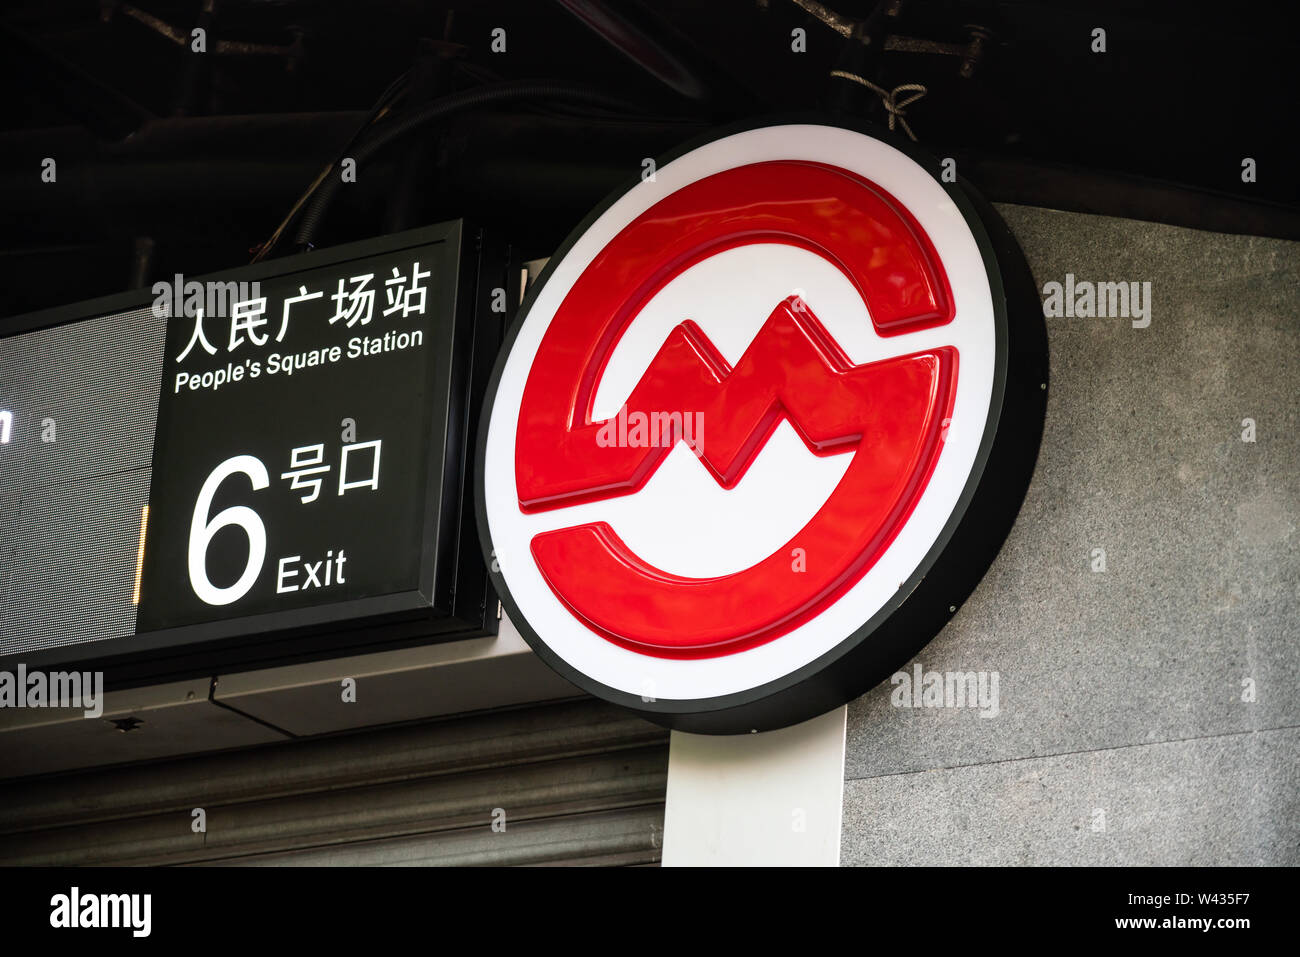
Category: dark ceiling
[170,160]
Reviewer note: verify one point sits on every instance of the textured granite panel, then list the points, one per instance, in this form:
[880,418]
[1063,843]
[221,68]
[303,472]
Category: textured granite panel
[1142,456]
[1226,800]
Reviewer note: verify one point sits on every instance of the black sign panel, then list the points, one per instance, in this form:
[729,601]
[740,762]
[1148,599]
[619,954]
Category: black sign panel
[292,454]
[308,491]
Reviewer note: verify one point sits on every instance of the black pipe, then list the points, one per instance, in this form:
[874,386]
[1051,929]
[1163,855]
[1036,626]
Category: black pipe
[638,46]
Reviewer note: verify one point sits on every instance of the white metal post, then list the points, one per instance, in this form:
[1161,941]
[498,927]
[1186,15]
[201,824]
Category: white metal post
[771,799]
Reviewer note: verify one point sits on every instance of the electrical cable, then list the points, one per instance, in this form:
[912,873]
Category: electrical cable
[327,189]
[889,98]
[389,98]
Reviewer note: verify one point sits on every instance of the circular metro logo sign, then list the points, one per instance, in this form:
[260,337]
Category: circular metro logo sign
[740,421]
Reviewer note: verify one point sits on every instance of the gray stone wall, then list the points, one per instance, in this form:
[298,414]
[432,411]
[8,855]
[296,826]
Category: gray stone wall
[1126,732]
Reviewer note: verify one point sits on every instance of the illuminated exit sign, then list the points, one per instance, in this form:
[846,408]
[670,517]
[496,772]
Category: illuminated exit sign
[279,452]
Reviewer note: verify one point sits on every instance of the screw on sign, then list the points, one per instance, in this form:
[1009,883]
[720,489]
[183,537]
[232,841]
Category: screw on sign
[835,321]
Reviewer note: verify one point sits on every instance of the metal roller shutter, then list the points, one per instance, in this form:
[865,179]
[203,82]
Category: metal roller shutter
[574,782]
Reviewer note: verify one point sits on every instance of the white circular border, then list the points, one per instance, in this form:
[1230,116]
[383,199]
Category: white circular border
[972,331]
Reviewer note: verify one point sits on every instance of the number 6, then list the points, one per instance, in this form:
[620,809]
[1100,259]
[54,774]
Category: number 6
[202,531]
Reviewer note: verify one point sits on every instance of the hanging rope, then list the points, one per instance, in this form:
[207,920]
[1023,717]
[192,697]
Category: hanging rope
[893,105]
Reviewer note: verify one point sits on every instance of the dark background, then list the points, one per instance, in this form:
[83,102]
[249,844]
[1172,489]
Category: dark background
[173,161]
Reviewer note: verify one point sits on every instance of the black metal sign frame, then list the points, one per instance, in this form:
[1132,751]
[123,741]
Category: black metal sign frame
[454,598]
